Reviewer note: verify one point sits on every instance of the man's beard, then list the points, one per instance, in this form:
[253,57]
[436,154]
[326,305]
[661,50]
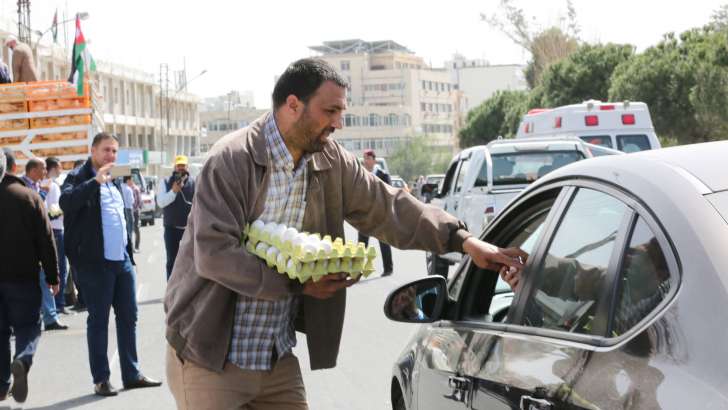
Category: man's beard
[311,138]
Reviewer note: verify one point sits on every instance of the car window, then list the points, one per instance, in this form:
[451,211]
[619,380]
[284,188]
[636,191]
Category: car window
[569,281]
[603,140]
[644,280]
[462,173]
[447,182]
[524,167]
[599,152]
[633,143]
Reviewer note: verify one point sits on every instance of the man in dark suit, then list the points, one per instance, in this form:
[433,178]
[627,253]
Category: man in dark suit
[99,247]
[370,163]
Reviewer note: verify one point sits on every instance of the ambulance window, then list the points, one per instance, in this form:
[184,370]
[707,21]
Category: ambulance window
[633,143]
[603,140]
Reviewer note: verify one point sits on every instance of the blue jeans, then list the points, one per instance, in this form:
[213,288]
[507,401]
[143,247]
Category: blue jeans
[19,309]
[113,283]
[172,237]
[62,270]
[48,308]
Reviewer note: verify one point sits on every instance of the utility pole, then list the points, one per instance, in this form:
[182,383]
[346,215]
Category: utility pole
[24,21]
[164,106]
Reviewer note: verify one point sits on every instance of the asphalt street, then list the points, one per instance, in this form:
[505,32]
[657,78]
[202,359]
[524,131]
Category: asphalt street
[60,377]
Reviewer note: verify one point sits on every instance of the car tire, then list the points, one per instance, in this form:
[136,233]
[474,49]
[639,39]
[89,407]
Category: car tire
[151,222]
[143,222]
[437,266]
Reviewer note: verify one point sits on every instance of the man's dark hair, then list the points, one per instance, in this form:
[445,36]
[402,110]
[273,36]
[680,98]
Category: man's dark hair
[52,163]
[302,78]
[9,159]
[370,153]
[102,136]
[127,178]
[32,164]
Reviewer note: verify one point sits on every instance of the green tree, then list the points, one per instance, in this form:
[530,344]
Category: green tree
[416,157]
[684,81]
[497,116]
[585,74]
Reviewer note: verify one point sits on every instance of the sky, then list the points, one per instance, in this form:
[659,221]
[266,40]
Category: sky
[243,45]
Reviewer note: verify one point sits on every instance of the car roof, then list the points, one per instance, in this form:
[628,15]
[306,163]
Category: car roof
[700,164]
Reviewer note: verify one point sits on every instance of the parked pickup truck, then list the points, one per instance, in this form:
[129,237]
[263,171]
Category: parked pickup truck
[481,180]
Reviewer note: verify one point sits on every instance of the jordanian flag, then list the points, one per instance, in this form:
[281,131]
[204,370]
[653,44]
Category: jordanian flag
[80,59]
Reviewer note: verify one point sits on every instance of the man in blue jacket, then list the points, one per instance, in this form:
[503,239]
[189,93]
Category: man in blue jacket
[98,245]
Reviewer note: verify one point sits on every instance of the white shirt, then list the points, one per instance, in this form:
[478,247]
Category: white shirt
[54,195]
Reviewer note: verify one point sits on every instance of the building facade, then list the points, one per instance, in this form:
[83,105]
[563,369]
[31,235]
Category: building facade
[478,80]
[218,123]
[393,96]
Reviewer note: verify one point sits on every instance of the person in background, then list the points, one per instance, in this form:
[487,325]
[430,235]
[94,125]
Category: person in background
[175,199]
[136,211]
[99,247]
[4,74]
[35,171]
[23,62]
[128,194]
[53,170]
[26,244]
[370,163]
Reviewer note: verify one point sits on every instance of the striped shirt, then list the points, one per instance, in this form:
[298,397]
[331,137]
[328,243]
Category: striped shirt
[261,325]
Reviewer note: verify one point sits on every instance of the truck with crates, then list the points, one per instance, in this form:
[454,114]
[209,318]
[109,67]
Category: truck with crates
[46,118]
[625,126]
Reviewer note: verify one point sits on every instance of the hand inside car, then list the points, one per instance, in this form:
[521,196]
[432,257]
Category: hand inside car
[511,276]
[491,257]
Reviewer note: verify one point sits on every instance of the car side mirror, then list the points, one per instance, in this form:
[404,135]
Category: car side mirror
[421,301]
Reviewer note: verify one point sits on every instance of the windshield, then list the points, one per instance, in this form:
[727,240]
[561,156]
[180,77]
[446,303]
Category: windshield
[524,167]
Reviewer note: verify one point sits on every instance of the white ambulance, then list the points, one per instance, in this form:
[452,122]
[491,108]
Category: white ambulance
[625,126]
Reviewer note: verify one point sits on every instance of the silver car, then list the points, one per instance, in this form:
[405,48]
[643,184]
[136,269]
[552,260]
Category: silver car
[621,303]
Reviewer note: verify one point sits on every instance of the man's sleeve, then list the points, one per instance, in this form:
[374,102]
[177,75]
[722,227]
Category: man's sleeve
[395,216]
[45,242]
[75,194]
[218,218]
[164,197]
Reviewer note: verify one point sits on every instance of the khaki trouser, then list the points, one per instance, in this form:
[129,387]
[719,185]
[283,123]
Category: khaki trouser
[196,388]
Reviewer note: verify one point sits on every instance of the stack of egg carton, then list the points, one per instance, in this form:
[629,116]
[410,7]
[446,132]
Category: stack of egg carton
[306,256]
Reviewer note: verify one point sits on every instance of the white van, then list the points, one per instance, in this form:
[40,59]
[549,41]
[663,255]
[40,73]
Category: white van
[625,126]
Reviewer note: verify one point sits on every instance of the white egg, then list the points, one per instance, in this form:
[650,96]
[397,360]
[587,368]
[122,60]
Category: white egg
[279,230]
[258,224]
[262,247]
[309,247]
[289,234]
[326,246]
[272,251]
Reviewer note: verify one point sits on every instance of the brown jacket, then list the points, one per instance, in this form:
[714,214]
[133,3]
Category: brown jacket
[212,266]
[23,64]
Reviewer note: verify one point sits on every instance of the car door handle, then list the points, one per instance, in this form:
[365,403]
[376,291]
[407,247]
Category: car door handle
[458,383]
[532,403]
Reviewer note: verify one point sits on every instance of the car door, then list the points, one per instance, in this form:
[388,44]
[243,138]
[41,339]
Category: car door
[560,311]
[452,347]
[459,188]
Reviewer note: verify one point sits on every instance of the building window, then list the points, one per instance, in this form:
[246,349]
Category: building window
[423,107]
[406,120]
[348,120]
[424,84]
[345,66]
[375,120]
[393,120]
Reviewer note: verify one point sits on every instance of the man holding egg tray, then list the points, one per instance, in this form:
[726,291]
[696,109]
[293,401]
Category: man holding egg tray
[264,253]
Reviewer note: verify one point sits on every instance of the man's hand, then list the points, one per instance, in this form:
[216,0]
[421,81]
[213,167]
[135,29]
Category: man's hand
[511,276]
[491,257]
[176,187]
[328,285]
[102,175]
[54,289]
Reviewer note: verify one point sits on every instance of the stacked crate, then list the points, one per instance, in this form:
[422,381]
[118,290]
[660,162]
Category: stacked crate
[45,118]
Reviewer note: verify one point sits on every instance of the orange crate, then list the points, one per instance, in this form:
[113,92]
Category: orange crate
[59,151]
[13,107]
[5,141]
[63,136]
[12,92]
[11,125]
[54,104]
[63,121]
[44,90]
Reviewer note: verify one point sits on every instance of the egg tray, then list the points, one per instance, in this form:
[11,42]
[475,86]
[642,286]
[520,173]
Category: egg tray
[305,256]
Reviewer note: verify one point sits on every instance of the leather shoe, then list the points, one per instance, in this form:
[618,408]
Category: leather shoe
[19,390]
[105,389]
[141,382]
[56,326]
